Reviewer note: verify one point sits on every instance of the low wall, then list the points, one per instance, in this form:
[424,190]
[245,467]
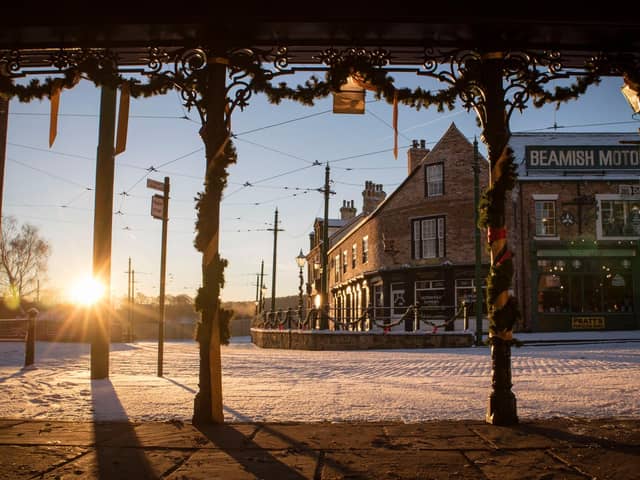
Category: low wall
[343,340]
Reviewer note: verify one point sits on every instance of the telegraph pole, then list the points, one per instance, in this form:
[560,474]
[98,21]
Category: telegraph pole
[275,245]
[476,234]
[324,279]
[163,271]
[261,285]
[129,302]
[4,121]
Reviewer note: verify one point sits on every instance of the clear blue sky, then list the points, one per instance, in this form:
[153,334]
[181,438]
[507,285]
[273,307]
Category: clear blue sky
[49,187]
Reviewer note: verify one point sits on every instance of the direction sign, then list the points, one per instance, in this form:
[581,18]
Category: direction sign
[156,185]
[157,206]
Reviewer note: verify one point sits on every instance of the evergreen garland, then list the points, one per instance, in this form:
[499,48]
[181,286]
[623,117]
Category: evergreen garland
[93,70]
[492,216]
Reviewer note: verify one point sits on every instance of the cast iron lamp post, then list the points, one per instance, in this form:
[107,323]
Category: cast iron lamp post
[300,259]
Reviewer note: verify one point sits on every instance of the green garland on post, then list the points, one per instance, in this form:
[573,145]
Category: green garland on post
[492,216]
[207,206]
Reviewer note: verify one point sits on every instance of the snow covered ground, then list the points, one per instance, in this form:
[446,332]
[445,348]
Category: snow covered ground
[586,380]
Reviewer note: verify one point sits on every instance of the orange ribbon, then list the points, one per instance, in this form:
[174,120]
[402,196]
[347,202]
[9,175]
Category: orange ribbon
[123,119]
[56,88]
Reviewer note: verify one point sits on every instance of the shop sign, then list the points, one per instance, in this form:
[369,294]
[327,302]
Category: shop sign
[586,157]
[587,323]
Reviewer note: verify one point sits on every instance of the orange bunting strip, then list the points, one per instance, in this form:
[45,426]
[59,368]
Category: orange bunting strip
[56,88]
[123,119]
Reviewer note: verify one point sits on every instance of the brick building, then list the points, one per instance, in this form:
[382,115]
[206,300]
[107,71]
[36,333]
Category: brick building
[415,245]
[576,227]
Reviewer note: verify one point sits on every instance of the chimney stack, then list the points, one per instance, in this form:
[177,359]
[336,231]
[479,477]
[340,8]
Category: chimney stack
[416,154]
[348,210]
[372,196]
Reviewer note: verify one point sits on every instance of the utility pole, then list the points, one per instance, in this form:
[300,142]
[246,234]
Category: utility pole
[275,246]
[129,301]
[133,301]
[4,121]
[476,234]
[324,279]
[163,271]
[257,289]
[261,300]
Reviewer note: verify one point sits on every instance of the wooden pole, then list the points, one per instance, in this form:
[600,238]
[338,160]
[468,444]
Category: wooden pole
[163,273]
[208,400]
[102,228]
[4,122]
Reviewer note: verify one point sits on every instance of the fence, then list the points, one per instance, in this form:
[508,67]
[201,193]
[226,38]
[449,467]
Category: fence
[413,319]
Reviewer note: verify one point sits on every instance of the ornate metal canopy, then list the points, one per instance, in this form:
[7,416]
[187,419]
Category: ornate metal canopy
[129,29]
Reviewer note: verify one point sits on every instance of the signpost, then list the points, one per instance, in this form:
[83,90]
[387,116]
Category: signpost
[160,210]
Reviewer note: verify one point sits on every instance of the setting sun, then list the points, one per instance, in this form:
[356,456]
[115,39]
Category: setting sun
[86,291]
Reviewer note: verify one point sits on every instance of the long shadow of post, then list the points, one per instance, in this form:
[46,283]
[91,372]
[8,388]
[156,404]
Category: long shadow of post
[258,460]
[113,460]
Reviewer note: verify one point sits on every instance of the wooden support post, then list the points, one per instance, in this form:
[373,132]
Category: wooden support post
[102,227]
[208,401]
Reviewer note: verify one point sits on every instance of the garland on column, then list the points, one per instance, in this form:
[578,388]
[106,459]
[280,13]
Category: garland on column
[92,69]
[206,205]
[492,218]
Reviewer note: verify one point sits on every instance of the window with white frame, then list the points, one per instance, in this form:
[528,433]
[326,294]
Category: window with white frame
[466,291]
[354,255]
[434,177]
[618,217]
[545,210]
[336,262]
[428,237]
[345,261]
[365,249]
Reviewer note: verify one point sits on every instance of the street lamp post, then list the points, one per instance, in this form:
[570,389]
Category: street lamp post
[263,291]
[300,259]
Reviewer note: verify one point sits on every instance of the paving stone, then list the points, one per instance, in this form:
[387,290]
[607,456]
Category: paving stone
[386,464]
[522,465]
[18,462]
[60,433]
[603,463]
[322,436]
[516,436]
[121,463]
[434,435]
[247,464]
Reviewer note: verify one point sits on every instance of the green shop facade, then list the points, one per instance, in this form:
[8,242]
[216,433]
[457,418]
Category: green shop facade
[576,224]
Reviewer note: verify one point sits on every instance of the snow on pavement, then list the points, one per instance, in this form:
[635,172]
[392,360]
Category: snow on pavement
[593,380]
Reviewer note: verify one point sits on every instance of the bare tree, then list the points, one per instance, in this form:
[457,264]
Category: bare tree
[23,257]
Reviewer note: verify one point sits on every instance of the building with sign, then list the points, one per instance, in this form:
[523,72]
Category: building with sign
[415,245]
[575,230]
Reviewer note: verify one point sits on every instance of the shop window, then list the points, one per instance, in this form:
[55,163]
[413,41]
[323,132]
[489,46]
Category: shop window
[428,237]
[378,304]
[545,218]
[429,294]
[434,177]
[585,285]
[466,290]
[398,299]
[619,218]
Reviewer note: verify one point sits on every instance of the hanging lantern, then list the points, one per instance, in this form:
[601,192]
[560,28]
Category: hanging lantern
[350,98]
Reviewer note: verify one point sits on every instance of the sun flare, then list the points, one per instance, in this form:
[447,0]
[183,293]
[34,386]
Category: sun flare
[86,291]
